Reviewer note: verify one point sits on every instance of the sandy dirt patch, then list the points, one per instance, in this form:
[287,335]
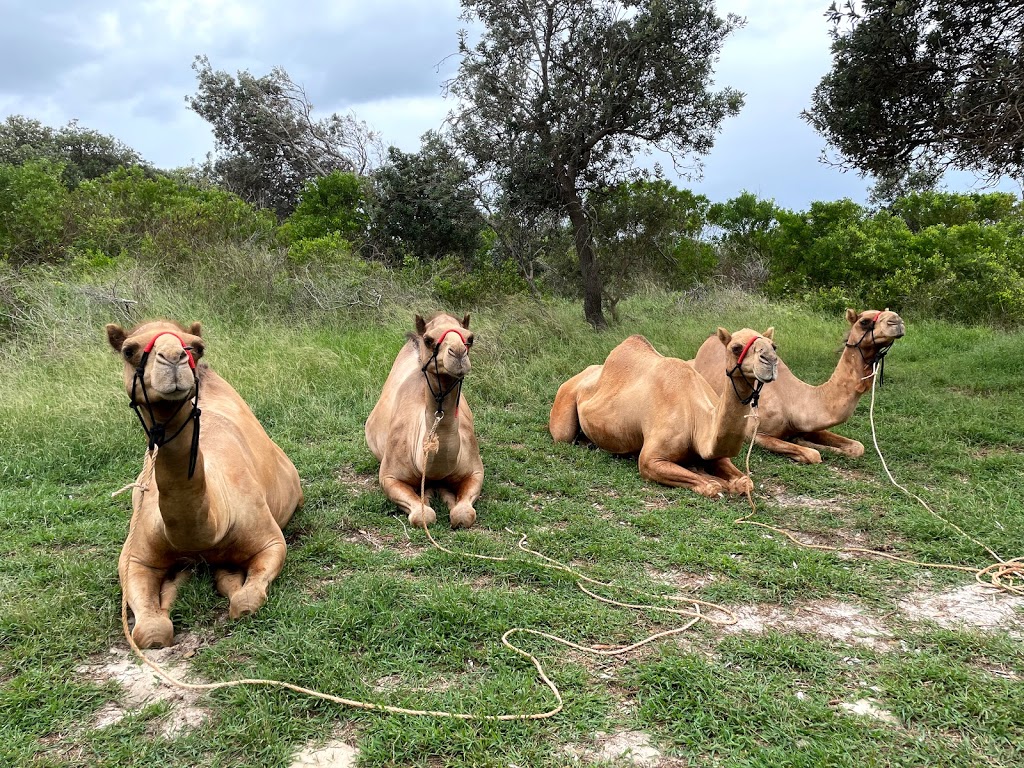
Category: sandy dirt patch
[972,605]
[334,754]
[142,687]
[625,748]
[842,622]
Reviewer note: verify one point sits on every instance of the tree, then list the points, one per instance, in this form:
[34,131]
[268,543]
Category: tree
[268,144]
[558,96]
[425,204]
[83,153]
[649,230]
[921,86]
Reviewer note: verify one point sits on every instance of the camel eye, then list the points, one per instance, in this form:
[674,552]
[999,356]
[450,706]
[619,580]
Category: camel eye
[865,323]
[429,341]
[775,347]
[197,349]
[737,348]
[129,350]
[469,340]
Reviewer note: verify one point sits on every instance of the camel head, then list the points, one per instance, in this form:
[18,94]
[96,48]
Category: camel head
[874,328]
[166,373]
[750,353]
[444,345]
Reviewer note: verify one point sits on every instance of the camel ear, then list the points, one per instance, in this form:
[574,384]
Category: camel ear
[196,329]
[770,333]
[465,321]
[116,336]
[421,325]
[724,336]
[851,316]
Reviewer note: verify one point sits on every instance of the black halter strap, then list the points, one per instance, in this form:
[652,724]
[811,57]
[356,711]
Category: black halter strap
[880,351]
[442,393]
[755,386]
[156,433]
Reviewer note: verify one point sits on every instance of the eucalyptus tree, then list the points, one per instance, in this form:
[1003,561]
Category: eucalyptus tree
[558,97]
[268,143]
[921,86]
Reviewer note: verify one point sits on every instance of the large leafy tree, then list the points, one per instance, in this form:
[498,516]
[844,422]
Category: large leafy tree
[921,86]
[82,152]
[425,204]
[559,96]
[268,144]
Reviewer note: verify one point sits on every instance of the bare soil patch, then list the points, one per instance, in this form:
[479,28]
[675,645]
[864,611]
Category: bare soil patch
[842,622]
[142,687]
[623,748]
[333,754]
[356,483]
[972,605]
[869,708]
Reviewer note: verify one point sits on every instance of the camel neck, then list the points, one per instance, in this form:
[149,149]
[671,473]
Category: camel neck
[184,503]
[729,422]
[450,388]
[837,398]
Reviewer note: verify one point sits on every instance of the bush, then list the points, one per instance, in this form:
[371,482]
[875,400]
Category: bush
[32,204]
[330,205]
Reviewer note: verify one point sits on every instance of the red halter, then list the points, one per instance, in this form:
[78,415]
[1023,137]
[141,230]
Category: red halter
[744,352]
[188,350]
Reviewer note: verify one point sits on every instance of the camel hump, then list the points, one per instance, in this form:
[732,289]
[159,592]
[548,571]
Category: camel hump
[640,343]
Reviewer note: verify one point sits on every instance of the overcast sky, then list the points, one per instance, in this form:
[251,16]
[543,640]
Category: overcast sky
[123,67]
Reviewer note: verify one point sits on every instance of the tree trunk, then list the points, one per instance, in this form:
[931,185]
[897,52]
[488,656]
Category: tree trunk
[592,288]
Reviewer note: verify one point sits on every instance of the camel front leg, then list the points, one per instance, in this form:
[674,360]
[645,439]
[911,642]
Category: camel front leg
[784,447]
[833,442]
[736,482]
[408,500]
[460,503]
[142,586]
[262,569]
[667,472]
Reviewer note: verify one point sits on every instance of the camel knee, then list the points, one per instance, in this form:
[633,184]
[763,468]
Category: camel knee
[740,485]
[422,517]
[153,632]
[247,600]
[463,516]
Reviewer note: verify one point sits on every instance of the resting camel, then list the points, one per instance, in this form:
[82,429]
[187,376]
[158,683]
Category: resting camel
[792,410]
[222,492]
[425,384]
[660,407]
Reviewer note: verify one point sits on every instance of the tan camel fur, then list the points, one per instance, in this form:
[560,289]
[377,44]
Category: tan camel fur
[431,364]
[229,513]
[791,410]
[642,402]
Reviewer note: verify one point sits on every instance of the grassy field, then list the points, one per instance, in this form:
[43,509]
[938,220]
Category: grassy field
[366,609]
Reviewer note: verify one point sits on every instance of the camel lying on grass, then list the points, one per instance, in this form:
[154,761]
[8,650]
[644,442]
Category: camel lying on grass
[221,489]
[425,384]
[792,410]
[642,402]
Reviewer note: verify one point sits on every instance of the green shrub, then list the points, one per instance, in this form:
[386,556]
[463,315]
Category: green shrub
[32,204]
[330,205]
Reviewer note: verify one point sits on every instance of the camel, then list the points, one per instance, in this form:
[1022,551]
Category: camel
[792,410]
[642,402]
[423,391]
[222,492]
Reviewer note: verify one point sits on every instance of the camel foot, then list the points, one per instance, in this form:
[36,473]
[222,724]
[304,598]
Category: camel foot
[808,456]
[711,489]
[246,601]
[741,485]
[422,517]
[463,517]
[153,632]
[855,451]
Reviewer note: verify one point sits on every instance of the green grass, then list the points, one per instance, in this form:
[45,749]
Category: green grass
[362,599]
